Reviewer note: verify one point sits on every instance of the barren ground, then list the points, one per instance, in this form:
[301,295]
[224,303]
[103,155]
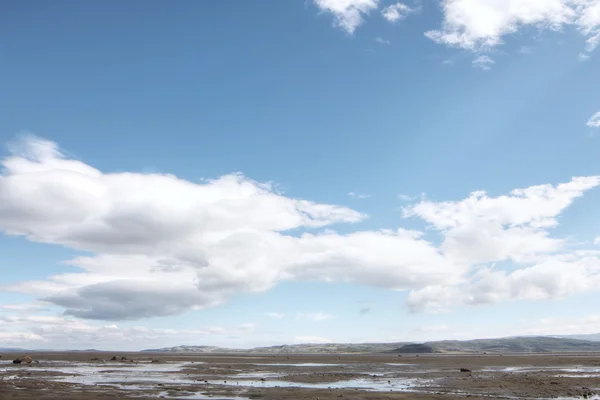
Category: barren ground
[80,375]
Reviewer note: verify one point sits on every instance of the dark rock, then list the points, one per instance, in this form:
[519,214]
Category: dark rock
[465,370]
[123,358]
[114,358]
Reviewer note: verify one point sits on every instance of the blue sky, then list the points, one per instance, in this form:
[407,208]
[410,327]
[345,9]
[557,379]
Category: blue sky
[253,173]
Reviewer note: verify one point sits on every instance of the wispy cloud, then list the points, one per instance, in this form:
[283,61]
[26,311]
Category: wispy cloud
[583,57]
[407,198]
[355,195]
[483,62]
[431,328]
[365,311]
[311,339]
[315,317]
[396,12]
[382,41]
[247,327]
[275,315]
[594,122]
[525,50]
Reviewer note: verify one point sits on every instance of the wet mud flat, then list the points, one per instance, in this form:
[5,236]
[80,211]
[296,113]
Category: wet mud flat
[81,375]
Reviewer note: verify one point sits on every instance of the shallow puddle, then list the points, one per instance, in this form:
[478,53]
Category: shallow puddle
[363,384]
[257,375]
[303,365]
[197,396]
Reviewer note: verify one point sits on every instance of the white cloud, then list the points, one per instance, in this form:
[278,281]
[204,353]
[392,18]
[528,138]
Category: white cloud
[382,41]
[355,195]
[594,121]
[483,229]
[482,24]
[396,12]
[311,340]
[597,240]
[483,62]
[275,315]
[348,14]
[549,279]
[315,317]
[159,245]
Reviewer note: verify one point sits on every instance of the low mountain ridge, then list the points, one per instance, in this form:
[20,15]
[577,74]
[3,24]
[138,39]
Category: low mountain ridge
[592,337]
[533,344]
[524,344]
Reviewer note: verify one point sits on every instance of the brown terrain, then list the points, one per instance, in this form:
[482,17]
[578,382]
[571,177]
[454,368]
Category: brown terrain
[80,375]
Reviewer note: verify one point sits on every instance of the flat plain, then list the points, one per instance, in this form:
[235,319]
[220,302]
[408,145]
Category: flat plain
[102,375]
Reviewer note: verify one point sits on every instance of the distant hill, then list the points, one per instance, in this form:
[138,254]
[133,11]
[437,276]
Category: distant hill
[541,344]
[593,337]
[326,348]
[10,350]
[192,349]
[416,348]
[522,344]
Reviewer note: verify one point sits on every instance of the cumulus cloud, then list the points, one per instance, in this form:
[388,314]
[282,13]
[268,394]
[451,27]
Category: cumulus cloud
[396,12]
[128,300]
[594,121]
[482,24]
[158,245]
[482,229]
[555,277]
[348,14]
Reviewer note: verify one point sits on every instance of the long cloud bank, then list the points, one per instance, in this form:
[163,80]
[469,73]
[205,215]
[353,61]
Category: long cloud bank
[161,245]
